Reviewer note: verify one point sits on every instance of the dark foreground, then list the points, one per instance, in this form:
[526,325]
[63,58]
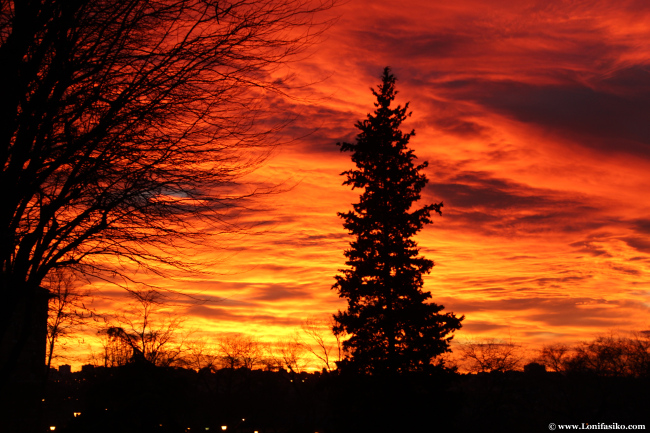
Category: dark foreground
[148,399]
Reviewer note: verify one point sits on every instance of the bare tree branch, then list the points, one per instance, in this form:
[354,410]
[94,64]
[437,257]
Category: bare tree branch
[314,329]
[126,127]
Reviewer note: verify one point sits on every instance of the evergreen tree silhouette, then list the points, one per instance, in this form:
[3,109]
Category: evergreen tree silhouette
[391,326]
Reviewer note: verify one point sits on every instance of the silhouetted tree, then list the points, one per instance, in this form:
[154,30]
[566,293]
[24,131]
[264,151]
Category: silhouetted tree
[314,330]
[605,355]
[391,326]
[555,356]
[491,355]
[124,125]
[240,351]
[142,333]
[200,356]
[289,353]
[67,310]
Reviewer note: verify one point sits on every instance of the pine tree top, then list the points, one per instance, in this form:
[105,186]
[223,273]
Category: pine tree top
[385,121]
[385,163]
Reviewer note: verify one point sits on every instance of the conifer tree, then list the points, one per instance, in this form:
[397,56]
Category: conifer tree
[392,328]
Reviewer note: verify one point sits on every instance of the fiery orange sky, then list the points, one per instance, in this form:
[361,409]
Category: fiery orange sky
[535,119]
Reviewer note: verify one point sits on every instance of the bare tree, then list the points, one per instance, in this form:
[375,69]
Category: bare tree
[115,352]
[125,127]
[327,352]
[555,357]
[605,355]
[199,356]
[290,354]
[142,333]
[67,309]
[639,354]
[271,360]
[490,355]
[240,351]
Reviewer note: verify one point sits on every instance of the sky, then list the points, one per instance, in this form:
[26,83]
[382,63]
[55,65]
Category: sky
[534,118]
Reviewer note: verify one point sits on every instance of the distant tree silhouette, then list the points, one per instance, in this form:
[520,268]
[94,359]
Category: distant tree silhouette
[124,124]
[313,329]
[141,333]
[490,355]
[289,353]
[555,356]
[240,351]
[606,355]
[391,326]
[200,356]
[67,311]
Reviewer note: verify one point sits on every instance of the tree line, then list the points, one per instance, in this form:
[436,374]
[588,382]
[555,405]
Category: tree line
[524,397]
[607,355]
[144,331]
